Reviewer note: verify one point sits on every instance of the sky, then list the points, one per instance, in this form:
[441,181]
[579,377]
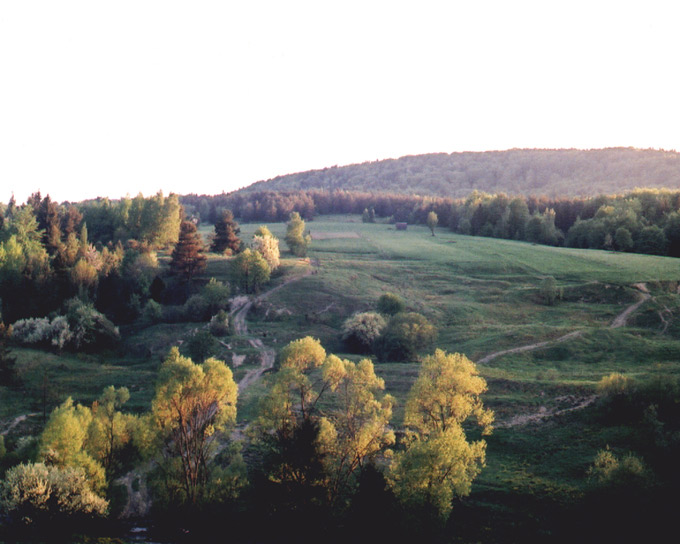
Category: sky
[102,98]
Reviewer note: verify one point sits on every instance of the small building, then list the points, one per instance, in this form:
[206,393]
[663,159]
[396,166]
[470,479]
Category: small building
[401,226]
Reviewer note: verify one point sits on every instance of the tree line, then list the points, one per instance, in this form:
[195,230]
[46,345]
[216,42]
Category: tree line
[641,221]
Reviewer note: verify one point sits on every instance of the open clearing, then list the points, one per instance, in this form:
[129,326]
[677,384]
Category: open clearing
[333,235]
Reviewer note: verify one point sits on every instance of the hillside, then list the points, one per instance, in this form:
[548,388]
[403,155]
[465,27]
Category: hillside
[561,172]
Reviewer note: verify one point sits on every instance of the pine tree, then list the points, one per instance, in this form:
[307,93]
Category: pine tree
[188,258]
[226,238]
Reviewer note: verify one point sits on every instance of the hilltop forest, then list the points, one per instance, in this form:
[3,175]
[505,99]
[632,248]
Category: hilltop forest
[550,172]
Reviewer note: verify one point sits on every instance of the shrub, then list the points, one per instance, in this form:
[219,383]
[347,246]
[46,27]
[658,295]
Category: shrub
[549,292]
[216,295]
[614,384]
[219,324]
[196,308]
[90,328]
[406,333]
[34,493]
[610,471]
[153,312]
[390,304]
[360,331]
[201,346]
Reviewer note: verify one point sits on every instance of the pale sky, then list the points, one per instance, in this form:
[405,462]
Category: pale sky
[108,98]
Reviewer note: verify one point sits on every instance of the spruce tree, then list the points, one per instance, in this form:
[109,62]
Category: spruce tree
[188,258]
[226,238]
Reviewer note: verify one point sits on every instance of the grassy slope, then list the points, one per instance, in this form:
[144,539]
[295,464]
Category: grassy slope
[482,295]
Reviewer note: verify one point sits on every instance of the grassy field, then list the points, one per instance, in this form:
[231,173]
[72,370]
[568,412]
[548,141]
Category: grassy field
[482,294]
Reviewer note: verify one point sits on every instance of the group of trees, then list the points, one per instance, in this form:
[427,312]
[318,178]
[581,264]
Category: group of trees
[322,424]
[391,333]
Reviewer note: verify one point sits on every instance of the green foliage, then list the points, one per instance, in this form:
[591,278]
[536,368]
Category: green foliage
[438,462]
[390,304]
[549,292]
[36,494]
[405,335]
[251,270]
[64,442]
[619,473]
[614,384]
[8,372]
[219,324]
[192,404]
[360,331]
[329,443]
[201,346]
[296,239]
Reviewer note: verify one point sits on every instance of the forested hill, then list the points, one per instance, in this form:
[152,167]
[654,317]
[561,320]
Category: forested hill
[553,173]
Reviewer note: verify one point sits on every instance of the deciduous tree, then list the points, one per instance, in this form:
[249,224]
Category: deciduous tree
[193,403]
[296,239]
[438,462]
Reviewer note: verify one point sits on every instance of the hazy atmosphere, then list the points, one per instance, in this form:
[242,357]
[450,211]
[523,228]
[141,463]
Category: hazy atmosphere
[114,98]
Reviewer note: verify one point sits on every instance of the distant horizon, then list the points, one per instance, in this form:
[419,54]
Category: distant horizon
[111,197]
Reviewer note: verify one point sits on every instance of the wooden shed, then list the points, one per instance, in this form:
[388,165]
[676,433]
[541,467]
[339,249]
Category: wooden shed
[401,226]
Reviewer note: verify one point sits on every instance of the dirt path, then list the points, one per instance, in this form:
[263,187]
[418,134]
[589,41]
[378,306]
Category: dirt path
[619,321]
[242,306]
[16,422]
[569,403]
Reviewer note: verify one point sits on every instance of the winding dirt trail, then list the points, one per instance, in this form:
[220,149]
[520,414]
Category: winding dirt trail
[619,321]
[568,403]
[239,313]
[16,421]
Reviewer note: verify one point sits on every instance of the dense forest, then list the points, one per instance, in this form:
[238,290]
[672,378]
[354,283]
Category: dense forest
[555,173]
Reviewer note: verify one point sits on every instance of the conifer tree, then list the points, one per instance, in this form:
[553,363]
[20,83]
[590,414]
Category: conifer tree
[188,258]
[226,238]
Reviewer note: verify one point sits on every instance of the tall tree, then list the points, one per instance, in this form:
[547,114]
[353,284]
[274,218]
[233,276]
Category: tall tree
[226,238]
[192,403]
[251,270]
[297,240]
[438,462]
[188,258]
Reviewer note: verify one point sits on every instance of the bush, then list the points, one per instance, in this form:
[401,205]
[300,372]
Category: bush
[390,304]
[201,346]
[614,384]
[219,324]
[610,471]
[406,333]
[196,308]
[360,331]
[90,328]
[35,493]
[549,292]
